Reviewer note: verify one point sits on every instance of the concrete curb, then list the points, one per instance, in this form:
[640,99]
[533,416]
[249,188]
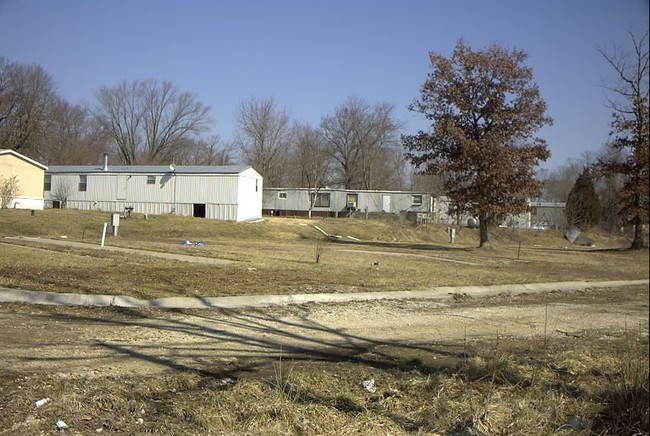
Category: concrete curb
[9,295]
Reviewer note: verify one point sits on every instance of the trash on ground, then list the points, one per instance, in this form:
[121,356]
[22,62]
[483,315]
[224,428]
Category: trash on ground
[227,381]
[61,425]
[42,402]
[576,422]
[574,236]
[370,385]
[199,243]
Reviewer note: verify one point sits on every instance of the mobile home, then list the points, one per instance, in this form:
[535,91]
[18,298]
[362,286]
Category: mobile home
[231,193]
[346,202]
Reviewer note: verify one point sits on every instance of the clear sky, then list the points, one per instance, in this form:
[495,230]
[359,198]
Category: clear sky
[310,56]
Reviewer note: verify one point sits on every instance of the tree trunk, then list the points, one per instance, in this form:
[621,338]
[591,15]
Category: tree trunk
[484,237]
[637,242]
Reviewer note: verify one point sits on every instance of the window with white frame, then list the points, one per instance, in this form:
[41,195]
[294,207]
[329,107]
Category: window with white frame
[83,183]
[282,195]
[416,200]
[151,180]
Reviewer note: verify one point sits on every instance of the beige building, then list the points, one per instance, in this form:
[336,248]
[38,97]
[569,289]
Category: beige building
[29,176]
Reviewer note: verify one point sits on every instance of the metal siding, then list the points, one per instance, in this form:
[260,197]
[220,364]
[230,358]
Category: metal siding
[250,195]
[298,200]
[219,192]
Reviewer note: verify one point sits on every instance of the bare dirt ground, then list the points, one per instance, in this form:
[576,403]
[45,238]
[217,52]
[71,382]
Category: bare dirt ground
[238,343]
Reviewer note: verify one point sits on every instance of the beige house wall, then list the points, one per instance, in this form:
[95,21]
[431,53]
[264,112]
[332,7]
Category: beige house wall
[30,175]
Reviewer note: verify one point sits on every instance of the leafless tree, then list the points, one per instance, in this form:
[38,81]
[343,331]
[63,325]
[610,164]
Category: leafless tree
[264,136]
[62,191]
[9,190]
[26,94]
[310,162]
[363,141]
[149,121]
[72,137]
[210,151]
[559,181]
[608,187]
[630,105]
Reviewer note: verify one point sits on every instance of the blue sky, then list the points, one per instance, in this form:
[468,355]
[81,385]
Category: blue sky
[310,56]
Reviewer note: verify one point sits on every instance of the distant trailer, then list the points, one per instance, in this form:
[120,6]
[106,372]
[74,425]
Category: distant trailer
[346,203]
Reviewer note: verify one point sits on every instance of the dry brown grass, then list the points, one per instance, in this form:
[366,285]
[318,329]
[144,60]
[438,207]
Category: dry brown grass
[544,385]
[512,389]
[279,256]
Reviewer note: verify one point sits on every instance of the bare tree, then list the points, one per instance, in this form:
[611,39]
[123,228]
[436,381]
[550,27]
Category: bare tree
[210,151]
[150,121]
[311,159]
[26,93]
[62,191]
[72,137]
[608,187]
[484,109]
[363,141]
[264,137]
[559,181]
[631,131]
[9,190]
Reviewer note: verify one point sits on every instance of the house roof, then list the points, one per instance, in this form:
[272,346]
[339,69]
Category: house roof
[23,157]
[147,169]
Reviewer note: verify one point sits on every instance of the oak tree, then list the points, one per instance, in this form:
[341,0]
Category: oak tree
[631,132]
[484,109]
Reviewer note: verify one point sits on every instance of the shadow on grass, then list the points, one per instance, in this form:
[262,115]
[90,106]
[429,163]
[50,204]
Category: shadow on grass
[247,343]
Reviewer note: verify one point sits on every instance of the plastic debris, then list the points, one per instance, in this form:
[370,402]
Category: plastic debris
[42,402]
[61,425]
[370,385]
[199,243]
[574,236]
[576,422]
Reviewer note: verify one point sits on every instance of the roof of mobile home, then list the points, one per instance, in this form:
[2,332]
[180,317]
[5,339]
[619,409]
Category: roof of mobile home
[149,169]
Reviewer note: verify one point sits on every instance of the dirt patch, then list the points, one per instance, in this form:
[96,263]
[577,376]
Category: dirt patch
[95,341]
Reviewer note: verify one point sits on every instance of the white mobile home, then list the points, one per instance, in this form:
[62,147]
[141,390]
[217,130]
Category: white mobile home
[217,192]
[346,202]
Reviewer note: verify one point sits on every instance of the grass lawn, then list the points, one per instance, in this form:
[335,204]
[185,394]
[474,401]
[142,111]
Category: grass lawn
[279,256]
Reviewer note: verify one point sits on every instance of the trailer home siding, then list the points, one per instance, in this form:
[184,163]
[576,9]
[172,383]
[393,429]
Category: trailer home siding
[345,202]
[223,193]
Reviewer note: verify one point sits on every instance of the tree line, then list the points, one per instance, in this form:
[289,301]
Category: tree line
[481,150]
[151,122]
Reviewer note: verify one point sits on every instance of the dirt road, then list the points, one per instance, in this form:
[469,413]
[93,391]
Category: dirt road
[108,340]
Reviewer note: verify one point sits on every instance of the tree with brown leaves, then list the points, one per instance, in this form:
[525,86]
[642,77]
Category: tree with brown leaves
[630,129]
[484,109]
